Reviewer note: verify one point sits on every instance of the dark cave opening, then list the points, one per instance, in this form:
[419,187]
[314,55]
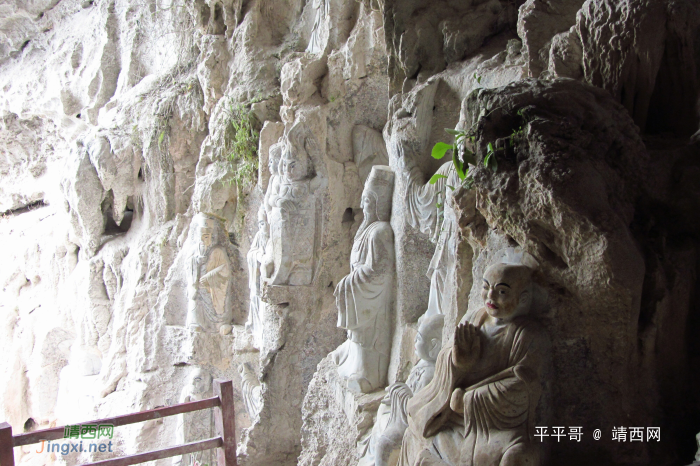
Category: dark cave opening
[673,107]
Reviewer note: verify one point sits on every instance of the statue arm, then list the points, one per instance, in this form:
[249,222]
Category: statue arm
[506,399]
[424,200]
[220,271]
[366,282]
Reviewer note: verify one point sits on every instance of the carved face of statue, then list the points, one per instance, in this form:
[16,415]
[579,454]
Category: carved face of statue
[506,290]
[425,348]
[205,239]
[429,338]
[274,159]
[368,203]
[294,165]
[200,382]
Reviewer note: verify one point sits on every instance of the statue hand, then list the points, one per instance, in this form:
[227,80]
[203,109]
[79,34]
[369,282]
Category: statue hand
[457,401]
[287,206]
[467,345]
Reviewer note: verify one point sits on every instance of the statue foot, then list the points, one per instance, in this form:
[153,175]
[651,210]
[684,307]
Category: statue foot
[195,327]
[359,384]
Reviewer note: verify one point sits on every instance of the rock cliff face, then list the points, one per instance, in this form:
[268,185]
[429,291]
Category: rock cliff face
[182,185]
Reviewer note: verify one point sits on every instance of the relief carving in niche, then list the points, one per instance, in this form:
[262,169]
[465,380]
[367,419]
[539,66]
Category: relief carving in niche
[292,210]
[209,306]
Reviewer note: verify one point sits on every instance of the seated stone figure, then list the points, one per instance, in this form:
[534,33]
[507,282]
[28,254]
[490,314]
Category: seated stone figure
[479,408]
[390,424]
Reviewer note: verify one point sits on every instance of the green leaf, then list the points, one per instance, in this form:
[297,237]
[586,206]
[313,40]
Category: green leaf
[440,149]
[161,136]
[469,157]
[453,132]
[487,158]
[434,179]
[459,165]
[452,188]
[490,147]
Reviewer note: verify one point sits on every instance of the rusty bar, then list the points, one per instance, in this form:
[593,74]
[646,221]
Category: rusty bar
[57,432]
[7,454]
[225,420]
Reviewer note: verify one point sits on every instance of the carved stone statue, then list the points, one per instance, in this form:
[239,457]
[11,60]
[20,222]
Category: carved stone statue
[315,41]
[364,297]
[209,276]
[255,257]
[292,214]
[429,210]
[479,408]
[385,439]
[251,389]
[197,425]
[369,149]
[273,187]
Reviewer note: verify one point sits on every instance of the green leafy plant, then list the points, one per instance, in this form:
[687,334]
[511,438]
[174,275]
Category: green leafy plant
[490,158]
[243,147]
[461,164]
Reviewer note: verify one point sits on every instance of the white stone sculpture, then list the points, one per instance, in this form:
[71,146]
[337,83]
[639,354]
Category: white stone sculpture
[479,409]
[255,257]
[292,214]
[273,163]
[197,425]
[251,390]
[385,440]
[209,276]
[364,297]
[369,149]
[428,209]
[316,41]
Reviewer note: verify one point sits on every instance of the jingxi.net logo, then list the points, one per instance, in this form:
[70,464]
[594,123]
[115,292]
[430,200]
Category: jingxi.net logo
[99,434]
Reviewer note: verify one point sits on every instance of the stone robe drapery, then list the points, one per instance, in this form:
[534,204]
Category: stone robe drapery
[427,210]
[501,394]
[208,305]
[363,298]
[390,424]
[255,258]
[292,233]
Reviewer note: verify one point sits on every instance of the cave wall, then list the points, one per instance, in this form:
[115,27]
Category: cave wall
[116,131]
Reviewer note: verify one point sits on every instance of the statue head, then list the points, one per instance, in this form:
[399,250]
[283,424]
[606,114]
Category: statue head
[200,381]
[275,154]
[262,220]
[429,337]
[507,291]
[376,197]
[294,165]
[206,231]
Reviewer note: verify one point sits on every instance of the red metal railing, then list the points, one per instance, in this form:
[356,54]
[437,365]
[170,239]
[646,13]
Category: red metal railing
[224,421]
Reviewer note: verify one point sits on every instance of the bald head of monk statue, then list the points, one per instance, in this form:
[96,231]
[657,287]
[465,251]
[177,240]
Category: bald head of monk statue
[507,291]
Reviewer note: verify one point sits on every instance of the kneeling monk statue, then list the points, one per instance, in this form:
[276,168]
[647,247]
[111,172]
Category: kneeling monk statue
[479,409]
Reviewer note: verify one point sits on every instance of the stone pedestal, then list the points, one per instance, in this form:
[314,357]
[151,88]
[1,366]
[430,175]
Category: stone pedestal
[335,419]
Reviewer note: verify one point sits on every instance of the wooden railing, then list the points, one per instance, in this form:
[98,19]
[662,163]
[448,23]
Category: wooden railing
[224,421]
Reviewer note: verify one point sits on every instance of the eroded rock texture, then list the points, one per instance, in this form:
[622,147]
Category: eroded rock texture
[122,122]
